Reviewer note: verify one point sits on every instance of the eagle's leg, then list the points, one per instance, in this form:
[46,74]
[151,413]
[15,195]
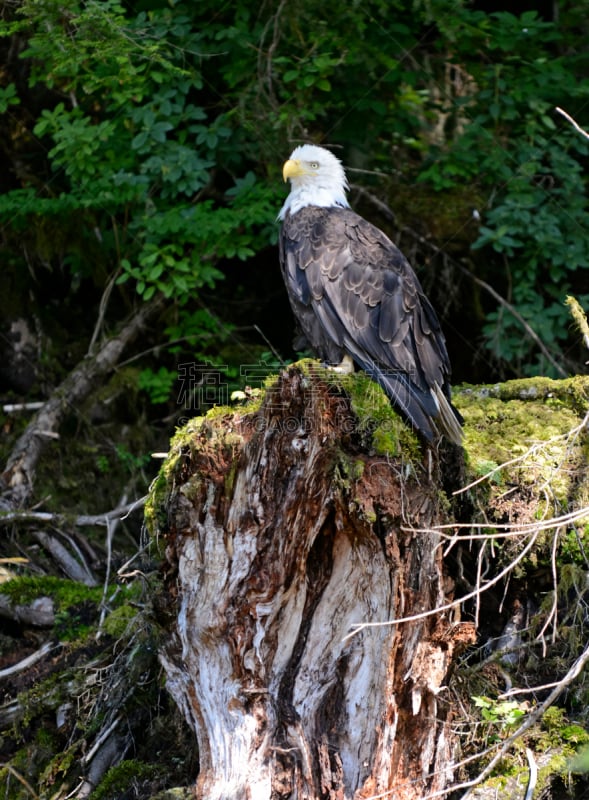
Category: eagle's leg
[346,367]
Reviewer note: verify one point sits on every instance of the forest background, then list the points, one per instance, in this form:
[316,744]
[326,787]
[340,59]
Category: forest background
[142,146]
[143,143]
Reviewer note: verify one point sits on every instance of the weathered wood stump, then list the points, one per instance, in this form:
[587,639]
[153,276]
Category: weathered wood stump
[282,532]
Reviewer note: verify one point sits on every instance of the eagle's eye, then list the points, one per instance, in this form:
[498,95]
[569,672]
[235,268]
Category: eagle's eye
[314,165]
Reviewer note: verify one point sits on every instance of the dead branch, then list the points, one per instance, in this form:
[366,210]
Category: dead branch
[573,122]
[63,520]
[530,720]
[475,594]
[110,752]
[10,408]
[19,474]
[76,569]
[27,662]
[32,793]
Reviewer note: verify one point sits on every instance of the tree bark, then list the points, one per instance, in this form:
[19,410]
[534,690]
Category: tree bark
[283,531]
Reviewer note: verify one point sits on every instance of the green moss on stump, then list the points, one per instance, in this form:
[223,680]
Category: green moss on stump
[524,432]
[378,425]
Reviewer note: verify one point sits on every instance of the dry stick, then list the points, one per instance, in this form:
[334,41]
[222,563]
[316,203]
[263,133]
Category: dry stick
[22,780]
[100,739]
[48,517]
[530,720]
[533,528]
[509,527]
[572,121]
[19,473]
[512,310]
[538,446]
[110,532]
[533,774]
[10,408]
[102,312]
[28,661]
[357,628]
[553,615]
[75,570]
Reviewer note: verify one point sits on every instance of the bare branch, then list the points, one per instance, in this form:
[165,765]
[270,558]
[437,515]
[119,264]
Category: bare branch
[10,408]
[22,780]
[75,569]
[83,520]
[102,311]
[28,661]
[537,446]
[573,123]
[447,606]
[530,720]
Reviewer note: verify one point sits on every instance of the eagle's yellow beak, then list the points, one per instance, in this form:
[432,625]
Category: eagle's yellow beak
[292,169]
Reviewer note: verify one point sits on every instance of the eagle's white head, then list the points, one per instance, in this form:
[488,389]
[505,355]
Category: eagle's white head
[317,178]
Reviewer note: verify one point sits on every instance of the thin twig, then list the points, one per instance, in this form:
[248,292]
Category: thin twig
[102,312]
[527,690]
[22,780]
[275,352]
[533,774]
[515,313]
[537,446]
[10,408]
[573,122]
[357,628]
[529,721]
[514,529]
[28,661]
[553,615]
[83,520]
[104,734]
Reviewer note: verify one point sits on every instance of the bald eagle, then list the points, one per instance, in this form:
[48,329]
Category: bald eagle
[356,297]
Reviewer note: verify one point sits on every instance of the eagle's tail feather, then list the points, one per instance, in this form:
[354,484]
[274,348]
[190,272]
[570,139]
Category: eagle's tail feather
[417,407]
[449,420]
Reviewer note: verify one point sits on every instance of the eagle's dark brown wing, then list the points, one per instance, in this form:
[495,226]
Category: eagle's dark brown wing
[354,292]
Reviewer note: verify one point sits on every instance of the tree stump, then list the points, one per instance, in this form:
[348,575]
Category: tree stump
[283,531]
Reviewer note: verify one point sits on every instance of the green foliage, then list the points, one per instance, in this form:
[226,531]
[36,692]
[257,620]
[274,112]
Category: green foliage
[131,461]
[133,148]
[120,778]
[531,169]
[76,605]
[158,385]
[8,97]
[505,713]
[159,132]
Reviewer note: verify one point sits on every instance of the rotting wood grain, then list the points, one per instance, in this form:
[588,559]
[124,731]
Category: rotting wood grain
[266,575]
